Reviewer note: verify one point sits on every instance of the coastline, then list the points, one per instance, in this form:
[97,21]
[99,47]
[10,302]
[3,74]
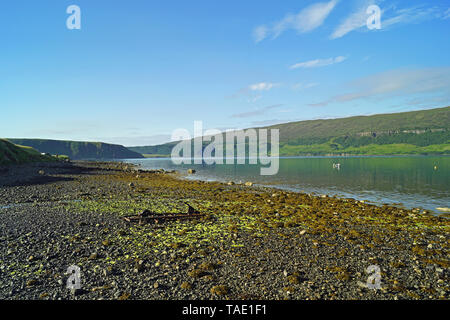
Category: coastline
[252,243]
[414,185]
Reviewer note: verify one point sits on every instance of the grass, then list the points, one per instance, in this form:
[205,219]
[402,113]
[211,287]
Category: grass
[371,149]
[15,154]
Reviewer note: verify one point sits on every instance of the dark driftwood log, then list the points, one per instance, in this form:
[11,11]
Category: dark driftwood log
[161,217]
[147,216]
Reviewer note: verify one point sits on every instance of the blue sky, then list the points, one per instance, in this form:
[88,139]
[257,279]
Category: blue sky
[137,70]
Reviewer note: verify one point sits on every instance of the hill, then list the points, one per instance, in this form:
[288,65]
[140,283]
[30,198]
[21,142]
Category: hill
[416,132]
[79,150]
[15,154]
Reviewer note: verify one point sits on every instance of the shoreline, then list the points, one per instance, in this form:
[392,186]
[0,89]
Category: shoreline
[252,243]
[417,199]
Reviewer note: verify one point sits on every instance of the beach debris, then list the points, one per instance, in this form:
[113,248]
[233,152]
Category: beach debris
[248,184]
[147,216]
[191,171]
[443,209]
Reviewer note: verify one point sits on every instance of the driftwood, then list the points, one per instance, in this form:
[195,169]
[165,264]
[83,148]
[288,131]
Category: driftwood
[147,216]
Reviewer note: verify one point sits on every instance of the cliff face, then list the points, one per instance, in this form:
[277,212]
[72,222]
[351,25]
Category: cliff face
[79,150]
[392,132]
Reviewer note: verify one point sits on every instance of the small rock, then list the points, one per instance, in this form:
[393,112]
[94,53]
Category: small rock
[93,256]
[31,283]
[302,232]
[248,184]
[191,171]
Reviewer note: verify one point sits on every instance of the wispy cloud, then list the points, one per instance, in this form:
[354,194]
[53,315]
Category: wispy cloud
[446,14]
[256,112]
[400,82]
[390,16]
[303,86]
[318,63]
[356,20]
[263,86]
[254,91]
[305,21]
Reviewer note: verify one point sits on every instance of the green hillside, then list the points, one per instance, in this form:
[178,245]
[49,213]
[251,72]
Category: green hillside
[417,132]
[79,150]
[15,154]
[381,123]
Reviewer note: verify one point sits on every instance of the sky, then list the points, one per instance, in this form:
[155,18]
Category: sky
[139,69]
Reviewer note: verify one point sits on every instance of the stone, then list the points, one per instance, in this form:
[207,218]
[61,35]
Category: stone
[191,171]
[93,256]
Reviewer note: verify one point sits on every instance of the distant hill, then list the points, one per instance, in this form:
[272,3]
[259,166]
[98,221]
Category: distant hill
[416,132]
[79,150]
[14,154]
[162,149]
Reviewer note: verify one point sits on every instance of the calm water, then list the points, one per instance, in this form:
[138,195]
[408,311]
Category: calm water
[410,181]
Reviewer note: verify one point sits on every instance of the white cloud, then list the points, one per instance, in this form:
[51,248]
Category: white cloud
[389,16]
[260,33]
[356,20]
[254,91]
[318,63]
[394,83]
[262,86]
[306,20]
